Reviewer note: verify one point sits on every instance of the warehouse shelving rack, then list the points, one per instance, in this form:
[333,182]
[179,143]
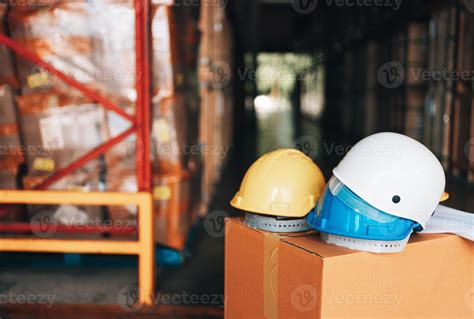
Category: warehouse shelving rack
[140,125]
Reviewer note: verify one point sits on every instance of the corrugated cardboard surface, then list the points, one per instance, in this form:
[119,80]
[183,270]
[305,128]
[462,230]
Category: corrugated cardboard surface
[243,271]
[430,278]
[434,276]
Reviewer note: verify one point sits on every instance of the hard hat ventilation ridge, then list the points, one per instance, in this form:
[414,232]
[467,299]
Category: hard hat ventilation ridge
[276,224]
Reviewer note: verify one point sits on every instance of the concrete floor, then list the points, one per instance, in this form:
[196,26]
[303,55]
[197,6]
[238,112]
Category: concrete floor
[203,274]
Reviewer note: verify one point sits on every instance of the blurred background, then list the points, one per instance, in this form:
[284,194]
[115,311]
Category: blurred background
[178,98]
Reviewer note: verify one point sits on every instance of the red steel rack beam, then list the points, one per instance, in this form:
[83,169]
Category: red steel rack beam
[143,86]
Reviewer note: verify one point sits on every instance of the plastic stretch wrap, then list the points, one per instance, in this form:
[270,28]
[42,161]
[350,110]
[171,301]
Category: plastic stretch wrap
[56,134]
[60,36]
[170,135]
[100,55]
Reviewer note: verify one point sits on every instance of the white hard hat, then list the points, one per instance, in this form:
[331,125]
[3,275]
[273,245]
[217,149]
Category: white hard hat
[395,174]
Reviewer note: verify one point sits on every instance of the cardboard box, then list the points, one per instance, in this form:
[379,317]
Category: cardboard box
[100,55]
[58,34]
[214,74]
[176,198]
[174,49]
[55,134]
[270,275]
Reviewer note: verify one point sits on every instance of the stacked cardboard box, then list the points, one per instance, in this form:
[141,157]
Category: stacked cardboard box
[297,275]
[112,33]
[57,123]
[176,157]
[175,153]
[176,173]
[62,34]
[215,60]
[58,35]
[94,44]
[57,130]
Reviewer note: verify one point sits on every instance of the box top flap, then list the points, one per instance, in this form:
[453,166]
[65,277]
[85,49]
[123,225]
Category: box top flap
[310,242]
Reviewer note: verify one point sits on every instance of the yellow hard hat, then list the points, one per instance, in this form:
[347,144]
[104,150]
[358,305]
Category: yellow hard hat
[284,182]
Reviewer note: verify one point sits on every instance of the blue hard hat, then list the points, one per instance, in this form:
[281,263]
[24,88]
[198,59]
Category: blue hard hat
[341,212]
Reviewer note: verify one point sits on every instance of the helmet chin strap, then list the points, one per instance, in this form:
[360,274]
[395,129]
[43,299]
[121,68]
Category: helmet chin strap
[374,246]
[276,224]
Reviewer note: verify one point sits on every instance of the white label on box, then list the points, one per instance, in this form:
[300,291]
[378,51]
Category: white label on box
[51,133]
